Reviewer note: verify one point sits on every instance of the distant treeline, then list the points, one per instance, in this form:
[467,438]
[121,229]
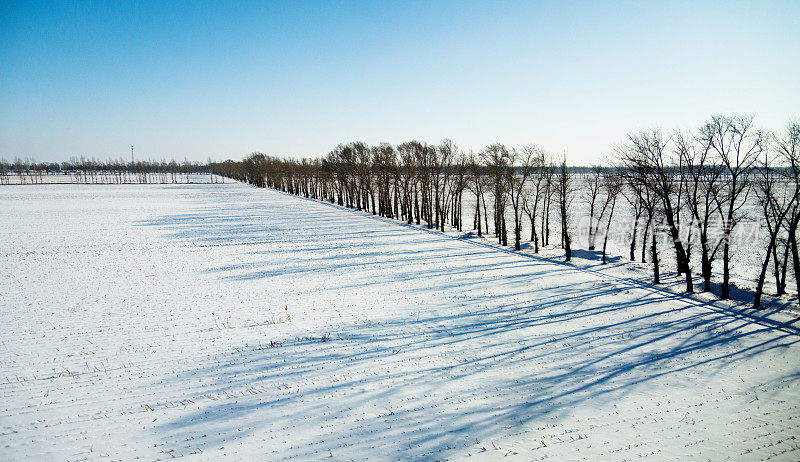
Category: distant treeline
[694,186]
[82,170]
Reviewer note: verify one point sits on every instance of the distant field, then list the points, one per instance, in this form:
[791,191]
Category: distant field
[155,321]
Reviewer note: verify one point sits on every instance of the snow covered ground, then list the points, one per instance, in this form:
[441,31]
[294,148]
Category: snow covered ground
[158,321]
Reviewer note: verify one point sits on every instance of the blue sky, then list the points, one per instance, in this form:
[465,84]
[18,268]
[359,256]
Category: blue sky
[222,79]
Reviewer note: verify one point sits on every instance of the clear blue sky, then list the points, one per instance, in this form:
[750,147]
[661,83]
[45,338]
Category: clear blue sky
[222,79]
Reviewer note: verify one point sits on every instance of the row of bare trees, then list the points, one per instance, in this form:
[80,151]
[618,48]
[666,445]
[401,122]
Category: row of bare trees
[83,170]
[694,187]
[699,186]
[421,183]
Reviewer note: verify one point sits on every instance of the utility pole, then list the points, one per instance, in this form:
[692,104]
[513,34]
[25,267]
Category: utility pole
[131,153]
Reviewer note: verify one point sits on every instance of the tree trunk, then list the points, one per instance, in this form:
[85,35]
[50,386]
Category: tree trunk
[644,238]
[633,240]
[795,258]
[777,269]
[762,276]
[478,213]
[591,226]
[654,250]
[680,253]
[705,264]
[546,230]
[726,273]
[608,228]
[504,235]
[485,215]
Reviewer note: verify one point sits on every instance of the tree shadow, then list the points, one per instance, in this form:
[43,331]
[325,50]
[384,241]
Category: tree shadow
[508,354]
[594,255]
[438,382]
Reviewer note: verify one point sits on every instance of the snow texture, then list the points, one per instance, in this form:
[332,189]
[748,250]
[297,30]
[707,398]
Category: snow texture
[158,321]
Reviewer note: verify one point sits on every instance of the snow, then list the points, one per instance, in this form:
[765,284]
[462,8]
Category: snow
[158,321]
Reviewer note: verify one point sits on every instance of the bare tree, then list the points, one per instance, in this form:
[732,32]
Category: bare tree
[518,171]
[362,157]
[776,201]
[424,156]
[633,198]
[441,166]
[458,185]
[593,185]
[408,178]
[598,201]
[384,164]
[645,161]
[535,194]
[788,147]
[565,194]
[496,158]
[738,145]
[476,185]
[648,201]
[547,197]
[703,182]
[612,186]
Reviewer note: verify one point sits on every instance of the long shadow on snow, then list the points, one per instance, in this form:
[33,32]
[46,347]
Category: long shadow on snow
[391,380]
[394,378]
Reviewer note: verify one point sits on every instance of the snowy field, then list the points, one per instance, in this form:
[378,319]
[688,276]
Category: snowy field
[158,321]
